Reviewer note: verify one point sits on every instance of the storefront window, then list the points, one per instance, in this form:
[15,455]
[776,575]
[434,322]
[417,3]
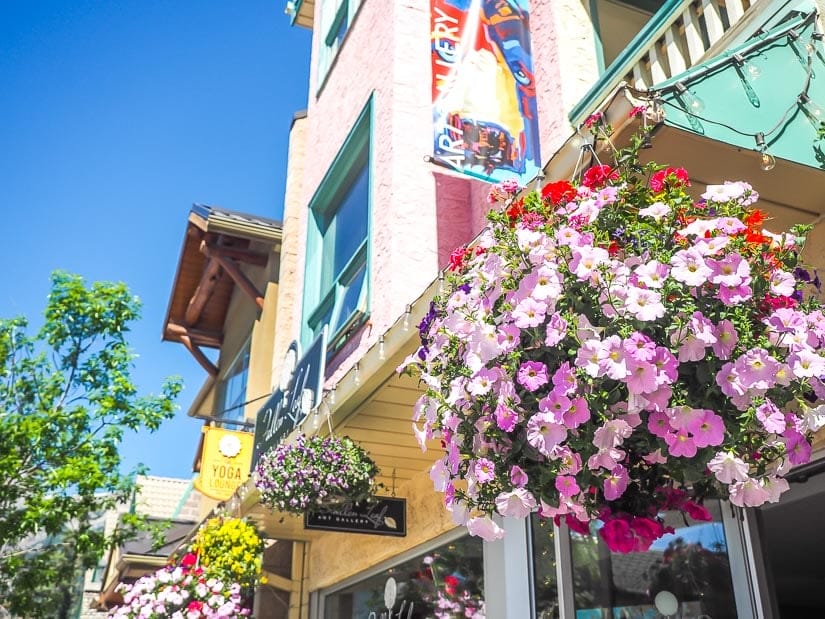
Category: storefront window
[445,583]
[691,564]
[689,568]
[544,568]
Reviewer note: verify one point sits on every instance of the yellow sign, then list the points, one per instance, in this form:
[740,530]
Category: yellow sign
[225,461]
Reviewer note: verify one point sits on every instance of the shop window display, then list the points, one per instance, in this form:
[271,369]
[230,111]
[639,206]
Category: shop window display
[444,583]
[687,572]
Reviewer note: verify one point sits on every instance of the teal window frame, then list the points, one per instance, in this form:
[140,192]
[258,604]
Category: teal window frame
[324,301]
[336,17]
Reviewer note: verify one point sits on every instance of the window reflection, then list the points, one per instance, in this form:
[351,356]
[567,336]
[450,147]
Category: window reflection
[544,568]
[445,583]
[691,563]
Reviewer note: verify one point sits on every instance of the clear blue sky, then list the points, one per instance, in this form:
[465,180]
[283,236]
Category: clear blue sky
[117,115]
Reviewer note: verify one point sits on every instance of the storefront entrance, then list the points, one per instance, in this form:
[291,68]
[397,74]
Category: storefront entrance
[793,540]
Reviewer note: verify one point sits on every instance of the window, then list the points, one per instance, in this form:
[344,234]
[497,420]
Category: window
[232,388]
[336,19]
[337,278]
[691,565]
[445,582]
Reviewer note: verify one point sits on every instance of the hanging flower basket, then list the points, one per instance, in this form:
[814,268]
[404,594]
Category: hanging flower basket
[610,349]
[185,590]
[314,473]
[214,577]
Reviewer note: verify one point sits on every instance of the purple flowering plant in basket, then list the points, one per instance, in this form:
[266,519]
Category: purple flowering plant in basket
[613,348]
[315,472]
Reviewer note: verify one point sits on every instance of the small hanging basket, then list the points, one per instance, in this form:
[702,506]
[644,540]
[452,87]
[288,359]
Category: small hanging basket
[315,473]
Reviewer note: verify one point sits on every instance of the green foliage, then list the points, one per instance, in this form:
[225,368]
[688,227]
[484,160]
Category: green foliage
[66,398]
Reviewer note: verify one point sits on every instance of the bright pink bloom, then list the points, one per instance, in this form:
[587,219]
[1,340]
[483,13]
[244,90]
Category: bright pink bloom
[617,535]
[659,424]
[484,470]
[567,486]
[564,379]
[544,433]
[555,404]
[797,447]
[615,484]
[681,443]
[697,512]
[771,418]
[708,431]
[577,414]
[532,375]
[642,377]
[518,477]
[726,339]
[506,417]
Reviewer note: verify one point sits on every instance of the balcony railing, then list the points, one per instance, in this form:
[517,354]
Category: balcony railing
[677,37]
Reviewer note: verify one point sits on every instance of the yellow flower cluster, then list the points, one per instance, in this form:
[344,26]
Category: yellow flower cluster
[231,548]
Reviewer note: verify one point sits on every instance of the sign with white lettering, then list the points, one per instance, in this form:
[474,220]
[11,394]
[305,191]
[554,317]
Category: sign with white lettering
[374,516]
[294,399]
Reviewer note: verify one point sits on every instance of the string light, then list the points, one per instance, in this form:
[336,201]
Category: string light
[696,105]
[356,374]
[751,69]
[767,161]
[407,312]
[689,104]
[382,355]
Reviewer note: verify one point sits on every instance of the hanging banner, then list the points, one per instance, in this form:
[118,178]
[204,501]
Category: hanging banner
[224,462]
[484,97]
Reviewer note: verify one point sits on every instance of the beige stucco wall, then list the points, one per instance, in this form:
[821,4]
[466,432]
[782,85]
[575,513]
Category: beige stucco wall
[287,322]
[336,556]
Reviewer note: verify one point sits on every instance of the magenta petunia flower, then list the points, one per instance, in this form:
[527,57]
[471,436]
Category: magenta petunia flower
[532,375]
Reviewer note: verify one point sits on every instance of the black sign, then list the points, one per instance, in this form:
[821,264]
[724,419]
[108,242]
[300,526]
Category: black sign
[375,516]
[286,408]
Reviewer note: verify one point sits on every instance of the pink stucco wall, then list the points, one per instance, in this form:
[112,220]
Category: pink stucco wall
[419,213]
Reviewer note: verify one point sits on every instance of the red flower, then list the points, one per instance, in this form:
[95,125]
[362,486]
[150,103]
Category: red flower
[457,258]
[598,176]
[755,219]
[194,605]
[697,512]
[451,584]
[559,192]
[515,210]
[189,560]
[669,177]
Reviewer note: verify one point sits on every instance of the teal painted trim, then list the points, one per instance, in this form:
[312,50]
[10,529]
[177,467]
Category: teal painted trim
[294,15]
[597,34]
[724,59]
[620,66]
[360,137]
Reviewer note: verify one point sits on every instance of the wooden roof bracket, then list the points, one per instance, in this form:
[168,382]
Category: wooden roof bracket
[201,358]
[231,268]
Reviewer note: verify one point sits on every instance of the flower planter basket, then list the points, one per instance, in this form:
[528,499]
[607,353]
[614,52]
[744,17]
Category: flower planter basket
[315,473]
[613,348]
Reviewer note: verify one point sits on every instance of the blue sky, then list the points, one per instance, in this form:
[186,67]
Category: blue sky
[115,117]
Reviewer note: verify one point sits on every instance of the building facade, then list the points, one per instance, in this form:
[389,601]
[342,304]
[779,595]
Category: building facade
[382,186]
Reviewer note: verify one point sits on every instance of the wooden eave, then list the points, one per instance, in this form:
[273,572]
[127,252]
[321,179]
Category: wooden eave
[215,244]
[303,13]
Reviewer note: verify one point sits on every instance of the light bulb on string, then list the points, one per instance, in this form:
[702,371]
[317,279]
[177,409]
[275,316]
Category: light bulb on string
[812,110]
[695,104]
[748,67]
[766,161]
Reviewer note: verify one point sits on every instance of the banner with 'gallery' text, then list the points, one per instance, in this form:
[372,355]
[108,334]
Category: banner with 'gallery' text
[484,96]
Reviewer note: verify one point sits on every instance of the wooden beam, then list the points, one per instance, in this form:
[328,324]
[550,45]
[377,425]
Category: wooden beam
[277,582]
[212,339]
[236,274]
[206,286]
[241,255]
[201,358]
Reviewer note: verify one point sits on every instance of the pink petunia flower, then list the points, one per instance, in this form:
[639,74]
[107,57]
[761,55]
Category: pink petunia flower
[615,484]
[532,375]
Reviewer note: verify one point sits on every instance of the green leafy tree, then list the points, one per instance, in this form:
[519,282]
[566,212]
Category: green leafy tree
[66,399]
